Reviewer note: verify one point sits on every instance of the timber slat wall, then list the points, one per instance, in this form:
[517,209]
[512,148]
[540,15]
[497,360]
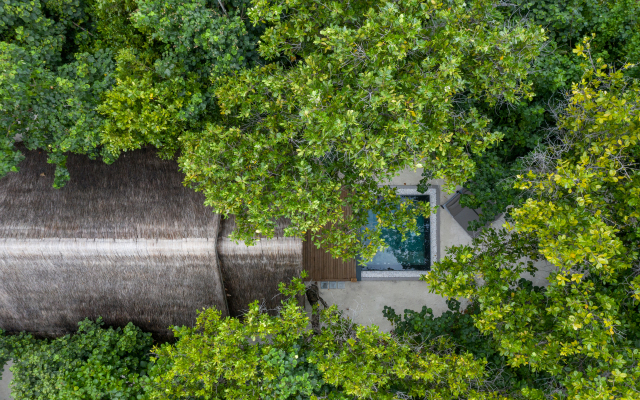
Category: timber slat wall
[322,267]
[319,264]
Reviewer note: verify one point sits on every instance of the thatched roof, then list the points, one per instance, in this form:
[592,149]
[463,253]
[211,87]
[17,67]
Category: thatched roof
[126,241]
[253,273]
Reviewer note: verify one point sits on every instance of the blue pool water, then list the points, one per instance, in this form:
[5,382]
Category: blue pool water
[412,254]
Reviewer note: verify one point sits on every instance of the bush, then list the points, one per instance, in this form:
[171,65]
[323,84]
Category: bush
[278,357]
[455,328]
[94,363]
[453,325]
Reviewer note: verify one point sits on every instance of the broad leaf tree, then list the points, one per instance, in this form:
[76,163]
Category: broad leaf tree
[50,84]
[456,327]
[93,363]
[353,93]
[279,357]
[616,24]
[307,120]
[163,86]
[98,77]
[582,216]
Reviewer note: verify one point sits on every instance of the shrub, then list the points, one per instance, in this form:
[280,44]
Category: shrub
[279,357]
[94,363]
[456,328]
[5,354]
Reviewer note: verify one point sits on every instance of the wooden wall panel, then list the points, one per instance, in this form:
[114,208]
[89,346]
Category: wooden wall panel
[322,267]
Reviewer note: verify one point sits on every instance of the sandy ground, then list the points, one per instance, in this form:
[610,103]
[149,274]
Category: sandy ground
[4,383]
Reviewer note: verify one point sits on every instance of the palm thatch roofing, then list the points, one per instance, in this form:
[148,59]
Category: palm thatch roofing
[127,242]
[254,273]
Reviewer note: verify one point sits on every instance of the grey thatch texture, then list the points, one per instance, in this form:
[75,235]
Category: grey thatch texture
[138,196]
[254,272]
[126,241]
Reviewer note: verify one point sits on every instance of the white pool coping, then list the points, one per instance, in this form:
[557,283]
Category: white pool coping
[434,233]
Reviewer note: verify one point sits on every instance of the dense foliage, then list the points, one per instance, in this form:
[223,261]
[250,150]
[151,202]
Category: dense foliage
[616,24]
[457,329]
[163,87]
[299,109]
[5,352]
[455,325]
[99,76]
[48,91]
[347,94]
[94,363]
[582,216]
[278,357]
[354,93]
[335,106]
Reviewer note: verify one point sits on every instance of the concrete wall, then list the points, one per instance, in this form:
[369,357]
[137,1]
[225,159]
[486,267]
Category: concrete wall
[4,382]
[364,301]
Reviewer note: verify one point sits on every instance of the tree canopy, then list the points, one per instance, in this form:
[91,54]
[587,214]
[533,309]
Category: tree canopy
[352,94]
[523,126]
[97,77]
[93,363]
[278,357]
[260,356]
[582,217]
[292,109]
[300,109]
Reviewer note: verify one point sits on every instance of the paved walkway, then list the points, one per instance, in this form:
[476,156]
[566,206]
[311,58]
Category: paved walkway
[4,382]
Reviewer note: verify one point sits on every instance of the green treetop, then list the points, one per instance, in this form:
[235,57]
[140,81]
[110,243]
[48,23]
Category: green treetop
[582,216]
[279,357]
[98,77]
[524,125]
[49,85]
[354,93]
[331,101]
